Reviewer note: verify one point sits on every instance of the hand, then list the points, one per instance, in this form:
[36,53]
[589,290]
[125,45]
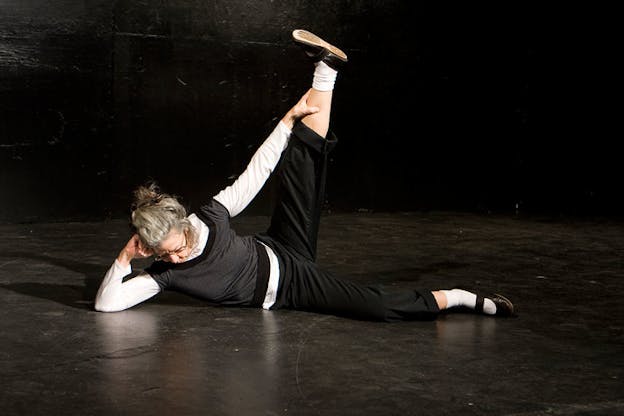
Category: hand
[299,110]
[133,250]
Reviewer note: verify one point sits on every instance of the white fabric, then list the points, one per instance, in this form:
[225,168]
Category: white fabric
[324,77]
[115,295]
[271,293]
[202,238]
[460,297]
[237,196]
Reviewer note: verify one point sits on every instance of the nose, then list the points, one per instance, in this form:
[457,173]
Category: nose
[176,258]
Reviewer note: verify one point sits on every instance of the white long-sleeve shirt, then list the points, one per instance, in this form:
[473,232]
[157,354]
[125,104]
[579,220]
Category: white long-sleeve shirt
[115,295]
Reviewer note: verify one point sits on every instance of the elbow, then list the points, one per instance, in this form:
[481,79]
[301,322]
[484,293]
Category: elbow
[99,307]
[106,307]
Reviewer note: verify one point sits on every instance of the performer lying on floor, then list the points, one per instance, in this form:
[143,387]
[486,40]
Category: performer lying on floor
[202,256]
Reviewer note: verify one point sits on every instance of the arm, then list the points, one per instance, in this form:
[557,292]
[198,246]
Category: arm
[237,196]
[114,295]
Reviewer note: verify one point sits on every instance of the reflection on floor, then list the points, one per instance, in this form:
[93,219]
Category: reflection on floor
[173,355]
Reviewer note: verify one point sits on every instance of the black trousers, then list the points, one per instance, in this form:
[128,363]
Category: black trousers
[293,237]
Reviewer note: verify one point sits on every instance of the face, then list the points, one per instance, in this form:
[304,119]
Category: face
[174,248]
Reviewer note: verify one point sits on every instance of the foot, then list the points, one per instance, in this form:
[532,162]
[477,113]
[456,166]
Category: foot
[504,307]
[319,50]
[484,303]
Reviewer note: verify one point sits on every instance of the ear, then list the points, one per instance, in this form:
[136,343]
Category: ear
[147,252]
[144,251]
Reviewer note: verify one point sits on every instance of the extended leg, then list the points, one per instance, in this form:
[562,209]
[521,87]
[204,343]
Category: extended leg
[315,290]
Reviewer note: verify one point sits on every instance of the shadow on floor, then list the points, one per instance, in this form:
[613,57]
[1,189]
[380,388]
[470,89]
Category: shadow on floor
[78,296]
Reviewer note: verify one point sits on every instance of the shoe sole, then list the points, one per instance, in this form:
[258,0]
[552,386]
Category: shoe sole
[307,38]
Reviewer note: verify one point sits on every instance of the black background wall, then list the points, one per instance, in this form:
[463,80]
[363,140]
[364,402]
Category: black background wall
[499,108]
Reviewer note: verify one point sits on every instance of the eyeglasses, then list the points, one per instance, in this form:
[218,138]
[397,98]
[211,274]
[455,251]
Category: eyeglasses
[177,251]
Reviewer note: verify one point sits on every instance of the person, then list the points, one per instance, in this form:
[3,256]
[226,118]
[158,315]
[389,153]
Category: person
[201,255]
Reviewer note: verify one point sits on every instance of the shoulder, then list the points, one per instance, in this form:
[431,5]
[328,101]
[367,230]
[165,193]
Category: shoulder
[214,212]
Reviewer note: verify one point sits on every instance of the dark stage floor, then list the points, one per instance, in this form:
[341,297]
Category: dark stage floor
[563,355]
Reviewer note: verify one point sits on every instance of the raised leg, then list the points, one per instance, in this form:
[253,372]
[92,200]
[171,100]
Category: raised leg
[303,167]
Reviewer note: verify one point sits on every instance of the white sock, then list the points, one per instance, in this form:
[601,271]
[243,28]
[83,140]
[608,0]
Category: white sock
[324,77]
[460,297]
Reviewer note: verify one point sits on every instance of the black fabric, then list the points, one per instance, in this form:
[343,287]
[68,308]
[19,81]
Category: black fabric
[306,286]
[302,171]
[293,237]
[262,280]
[479,305]
[234,270]
[226,270]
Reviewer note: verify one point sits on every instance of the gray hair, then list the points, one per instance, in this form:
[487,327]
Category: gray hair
[155,214]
